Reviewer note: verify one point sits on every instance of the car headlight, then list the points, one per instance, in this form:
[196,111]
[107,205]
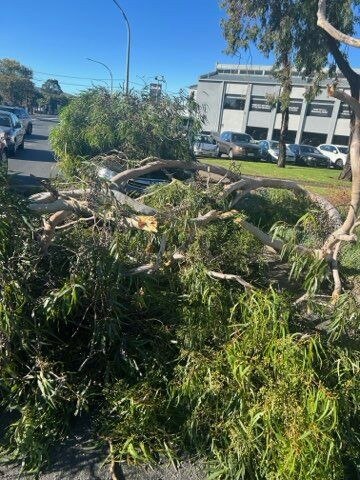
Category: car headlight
[239,149]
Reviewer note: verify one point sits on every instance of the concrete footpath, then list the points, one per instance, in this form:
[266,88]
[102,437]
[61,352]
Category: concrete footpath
[76,460]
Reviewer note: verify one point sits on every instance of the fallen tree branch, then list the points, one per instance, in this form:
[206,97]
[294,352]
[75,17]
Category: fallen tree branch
[248,184]
[173,164]
[228,276]
[50,225]
[74,223]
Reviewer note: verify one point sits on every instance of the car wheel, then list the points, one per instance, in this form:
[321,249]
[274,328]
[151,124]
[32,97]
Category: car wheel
[4,164]
[231,154]
[22,144]
[29,129]
[339,163]
[219,153]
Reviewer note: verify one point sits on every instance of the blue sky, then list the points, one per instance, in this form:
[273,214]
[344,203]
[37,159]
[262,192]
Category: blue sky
[179,39]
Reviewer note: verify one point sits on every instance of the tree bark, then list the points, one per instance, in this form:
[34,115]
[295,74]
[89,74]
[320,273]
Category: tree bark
[331,30]
[285,94]
[353,79]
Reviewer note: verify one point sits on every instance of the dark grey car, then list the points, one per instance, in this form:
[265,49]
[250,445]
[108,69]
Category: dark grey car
[309,155]
[238,145]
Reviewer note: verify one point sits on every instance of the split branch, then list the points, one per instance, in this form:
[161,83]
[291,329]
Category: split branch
[331,30]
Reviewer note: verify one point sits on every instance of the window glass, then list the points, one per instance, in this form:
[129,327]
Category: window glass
[344,150]
[234,102]
[240,138]
[5,121]
[308,149]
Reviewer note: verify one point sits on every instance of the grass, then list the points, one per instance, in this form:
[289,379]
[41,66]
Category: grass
[323,181]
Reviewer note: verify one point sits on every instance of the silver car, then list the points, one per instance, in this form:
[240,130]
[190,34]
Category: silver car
[205,146]
[22,115]
[13,130]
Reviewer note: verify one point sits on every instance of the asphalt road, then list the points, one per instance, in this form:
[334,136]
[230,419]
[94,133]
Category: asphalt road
[37,158]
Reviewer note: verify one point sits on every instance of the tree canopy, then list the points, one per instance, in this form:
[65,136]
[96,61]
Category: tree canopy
[96,121]
[287,31]
[16,85]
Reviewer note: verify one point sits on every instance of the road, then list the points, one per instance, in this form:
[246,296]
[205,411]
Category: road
[37,158]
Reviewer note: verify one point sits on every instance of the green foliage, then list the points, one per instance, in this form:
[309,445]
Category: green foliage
[175,361]
[96,122]
[52,96]
[16,85]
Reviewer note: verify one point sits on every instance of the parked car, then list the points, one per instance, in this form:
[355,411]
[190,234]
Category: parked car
[309,155]
[3,154]
[22,115]
[14,132]
[139,185]
[269,151]
[206,146]
[238,145]
[336,153]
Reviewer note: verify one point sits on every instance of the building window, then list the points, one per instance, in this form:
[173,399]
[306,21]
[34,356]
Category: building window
[294,107]
[257,133]
[314,139]
[260,104]
[340,140]
[289,136]
[320,109]
[344,111]
[234,102]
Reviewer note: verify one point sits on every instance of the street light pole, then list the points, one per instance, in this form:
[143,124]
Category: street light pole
[108,69]
[128,47]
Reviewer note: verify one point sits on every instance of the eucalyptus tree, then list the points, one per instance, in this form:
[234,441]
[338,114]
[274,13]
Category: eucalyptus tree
[287,31]
[16,84]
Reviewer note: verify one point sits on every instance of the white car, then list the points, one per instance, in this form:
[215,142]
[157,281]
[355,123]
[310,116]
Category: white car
[336,153]
[205,146]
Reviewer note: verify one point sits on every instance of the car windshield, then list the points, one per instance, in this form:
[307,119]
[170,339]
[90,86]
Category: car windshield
[19,112]
[205,139]
[241,138]
[308,149]
[5,121]
[344,150]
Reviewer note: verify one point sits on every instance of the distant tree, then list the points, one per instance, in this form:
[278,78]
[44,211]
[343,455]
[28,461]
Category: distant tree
[52,86]
[16,85]
[52,96]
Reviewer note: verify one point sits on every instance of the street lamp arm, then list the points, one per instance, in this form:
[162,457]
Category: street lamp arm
[128,46]
[124,14]
[107,68]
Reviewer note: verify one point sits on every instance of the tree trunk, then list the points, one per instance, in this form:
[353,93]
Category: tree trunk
[346,173]
[285,102]
[282,140]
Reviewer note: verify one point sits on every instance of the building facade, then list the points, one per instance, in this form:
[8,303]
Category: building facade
[238,98]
